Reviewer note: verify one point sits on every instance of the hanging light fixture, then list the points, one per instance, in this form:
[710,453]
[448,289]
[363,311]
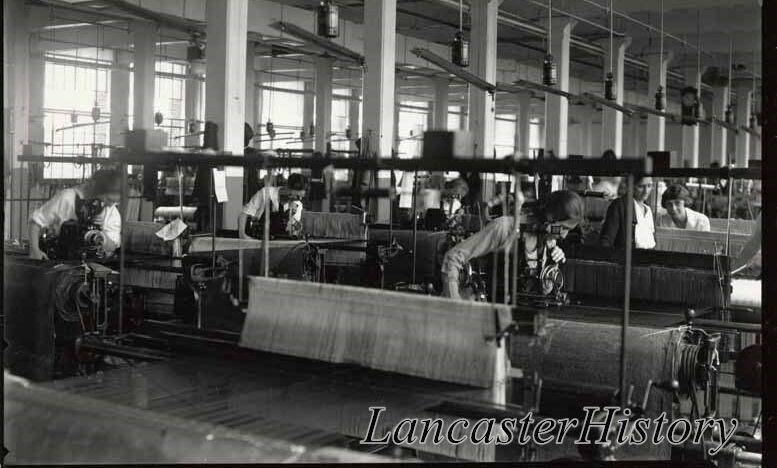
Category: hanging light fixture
[460,46]
[328,19]
[660,94]
[158,118]
[95,112]
[312,131]
[609,80]
[549,73]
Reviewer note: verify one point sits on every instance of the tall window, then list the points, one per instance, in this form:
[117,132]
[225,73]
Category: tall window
[169,95]
[285,110]
[75,81]
[412,124]
[504,135]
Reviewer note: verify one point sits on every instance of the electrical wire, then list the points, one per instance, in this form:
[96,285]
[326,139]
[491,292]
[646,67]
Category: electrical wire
[611,37]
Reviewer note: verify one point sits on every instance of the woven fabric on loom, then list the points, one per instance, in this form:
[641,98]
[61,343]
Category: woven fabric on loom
[423,336]
[587,353]
[332,225]
[685,287]
[140,237]
[709,243]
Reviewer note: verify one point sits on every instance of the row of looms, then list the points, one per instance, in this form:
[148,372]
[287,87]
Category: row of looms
[321,231]
[187,330]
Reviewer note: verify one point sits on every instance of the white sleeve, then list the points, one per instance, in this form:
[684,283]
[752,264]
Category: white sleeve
[112,224]
[61,208]
[255,205]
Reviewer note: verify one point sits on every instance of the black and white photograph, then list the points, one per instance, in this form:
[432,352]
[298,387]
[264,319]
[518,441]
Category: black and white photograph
[388,231]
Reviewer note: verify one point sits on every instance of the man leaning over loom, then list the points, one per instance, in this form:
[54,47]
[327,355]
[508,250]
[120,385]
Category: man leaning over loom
[65,205]
[562,208]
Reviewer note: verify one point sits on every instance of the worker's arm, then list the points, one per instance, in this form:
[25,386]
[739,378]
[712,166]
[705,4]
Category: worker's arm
[494,236]
[254,207]
[612,224]
[35,252]
[241,226]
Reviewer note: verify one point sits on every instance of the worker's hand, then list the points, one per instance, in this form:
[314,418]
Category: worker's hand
[519,197]
[37,254]
[557,255]
[109,246]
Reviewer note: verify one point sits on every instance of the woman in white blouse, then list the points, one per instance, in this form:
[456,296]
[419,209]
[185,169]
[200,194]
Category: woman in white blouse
[676,213]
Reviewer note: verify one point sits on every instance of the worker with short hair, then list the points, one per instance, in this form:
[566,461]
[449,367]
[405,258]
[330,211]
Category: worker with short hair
[66,205]
[280,198]
[614,227]
[677,214]
[561,211]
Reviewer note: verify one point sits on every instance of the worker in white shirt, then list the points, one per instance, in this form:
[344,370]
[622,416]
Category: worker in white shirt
[676,214]
[105,187]
[560,212]
[280,198]
[614,227]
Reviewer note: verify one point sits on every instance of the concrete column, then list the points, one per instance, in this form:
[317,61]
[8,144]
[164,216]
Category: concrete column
[396,127]
[635,126]
[16,113]
[37,85]
[589,113]
[719,133]
[757,142]
[251,91]
[323,102]
[309,113]
[380,19]
[690,151]
[193,108]
[744,105]
[430,115]
[483,64]
[523,122]
[612,120]
[120,88]
[463,118]
[144,38]
[557,107]
[440,114]
[379,50]
[227,31]
[656,125]
[354,110]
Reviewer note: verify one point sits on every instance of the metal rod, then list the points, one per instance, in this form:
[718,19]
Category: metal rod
[516,243]
[506,269]
[266,232]
[627,284]
[728,216]
[415,223]
[123,246]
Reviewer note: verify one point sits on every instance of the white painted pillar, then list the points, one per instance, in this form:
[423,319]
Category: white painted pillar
[589,113]
[690,151]
[719,133]
[309,113]
[744,105]
[464,118]
[120,90]
[656,125]
[440,115]
[144,36]
[557,107]
[323,102]
[37,85]
[612,120]
[380,19]
[354,111]
[523,123]
[251,91]
[483,64]
[227,31]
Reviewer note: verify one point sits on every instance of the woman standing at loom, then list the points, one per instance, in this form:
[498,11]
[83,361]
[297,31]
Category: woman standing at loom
[676,214]
[614,227]
[559,213]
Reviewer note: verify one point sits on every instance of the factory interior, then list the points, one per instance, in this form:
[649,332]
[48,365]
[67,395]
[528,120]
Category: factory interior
[235,229]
